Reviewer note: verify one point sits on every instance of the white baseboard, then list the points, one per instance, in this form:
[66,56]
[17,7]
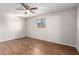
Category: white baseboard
[53,41]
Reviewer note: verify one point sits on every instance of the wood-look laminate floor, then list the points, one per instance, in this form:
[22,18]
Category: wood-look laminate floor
[30,46]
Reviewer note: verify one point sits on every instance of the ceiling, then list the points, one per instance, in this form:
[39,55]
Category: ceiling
[43,8]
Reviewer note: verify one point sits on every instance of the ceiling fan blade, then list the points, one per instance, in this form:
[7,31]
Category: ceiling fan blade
[25,6]
[25,12]
[32,11]
[33,8]
[19,9]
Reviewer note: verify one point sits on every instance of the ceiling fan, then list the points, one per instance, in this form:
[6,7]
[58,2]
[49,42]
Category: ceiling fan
[27,8]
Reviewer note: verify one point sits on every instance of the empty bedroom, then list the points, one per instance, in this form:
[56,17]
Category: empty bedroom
[39,29]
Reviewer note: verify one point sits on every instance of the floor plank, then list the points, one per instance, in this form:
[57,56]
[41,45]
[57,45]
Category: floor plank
[31,46]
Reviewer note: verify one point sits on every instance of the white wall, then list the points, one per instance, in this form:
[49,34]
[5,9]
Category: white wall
[77,29]
[11,27]
[61,27]
[69,27]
